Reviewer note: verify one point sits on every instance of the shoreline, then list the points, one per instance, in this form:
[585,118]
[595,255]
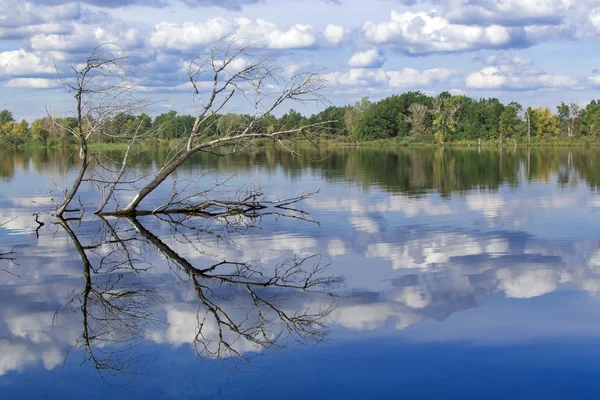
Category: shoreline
[345,143]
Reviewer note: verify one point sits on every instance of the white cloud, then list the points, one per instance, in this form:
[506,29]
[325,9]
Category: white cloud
[33,83]
[335,34]
[495,78]
[405,78]
[85,35]
[505,72]
[421,33]
[334,204]
[527,284]
[295,36]
[595,261]
[409,77]
[189,35]
[594,80]
[509,12]
[19,19]
[489,204]
[373,316]
[364,224]
[358,77]
[411,206]
[371,58]
[229,4]
[22,63]
[425,253]
[336,248]
[194,36]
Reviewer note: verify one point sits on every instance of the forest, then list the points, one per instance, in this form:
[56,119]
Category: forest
[412,117]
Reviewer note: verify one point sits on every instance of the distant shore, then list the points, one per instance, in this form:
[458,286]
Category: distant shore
[370,144]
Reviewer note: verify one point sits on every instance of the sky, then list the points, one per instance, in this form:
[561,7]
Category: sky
[536,52]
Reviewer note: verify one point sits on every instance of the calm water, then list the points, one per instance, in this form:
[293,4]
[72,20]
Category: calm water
[429,274]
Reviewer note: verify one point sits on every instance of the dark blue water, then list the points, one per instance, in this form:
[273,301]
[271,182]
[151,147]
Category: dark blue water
[432,274]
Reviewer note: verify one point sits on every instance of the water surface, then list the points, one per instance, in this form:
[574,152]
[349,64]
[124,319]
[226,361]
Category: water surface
[432,273]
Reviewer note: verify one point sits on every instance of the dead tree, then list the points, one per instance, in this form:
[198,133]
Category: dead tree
[247,302]
[226,73]
[102,87]
[247,286]
[7,255]
[116,306]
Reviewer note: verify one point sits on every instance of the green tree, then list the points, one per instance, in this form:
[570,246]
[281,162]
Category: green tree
[330,121]
[382,120]
[445,112]
[590,119]
[40,130]
[510,121]
[354,113]
[292,119]
[420,121]
[547,124]
[232,124]
[6,116]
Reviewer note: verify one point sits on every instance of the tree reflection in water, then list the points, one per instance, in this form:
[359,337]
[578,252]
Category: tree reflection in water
[7,255]
[244,307]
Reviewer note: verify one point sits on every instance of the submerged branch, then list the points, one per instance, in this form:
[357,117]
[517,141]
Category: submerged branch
[251,206]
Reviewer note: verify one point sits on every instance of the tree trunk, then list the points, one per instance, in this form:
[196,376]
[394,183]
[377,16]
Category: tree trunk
[83,152]
[528,128]
[162,175]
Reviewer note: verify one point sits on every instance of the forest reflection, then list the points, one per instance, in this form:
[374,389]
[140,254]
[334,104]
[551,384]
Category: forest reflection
[242,307]
[403,170]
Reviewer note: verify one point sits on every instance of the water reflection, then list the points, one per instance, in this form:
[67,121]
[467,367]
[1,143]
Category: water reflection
[433,245]
[226,310]
[403,170]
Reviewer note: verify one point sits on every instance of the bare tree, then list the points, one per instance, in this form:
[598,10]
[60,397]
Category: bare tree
[237,301]
[102,87]
[226,286]
[574,114]
[7,255]
[418,117]
[232,73]
[528,119]
[116,306]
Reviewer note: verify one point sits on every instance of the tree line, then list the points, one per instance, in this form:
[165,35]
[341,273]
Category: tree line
[413,116]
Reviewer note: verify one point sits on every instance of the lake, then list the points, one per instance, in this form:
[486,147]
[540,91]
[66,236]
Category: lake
[412,273]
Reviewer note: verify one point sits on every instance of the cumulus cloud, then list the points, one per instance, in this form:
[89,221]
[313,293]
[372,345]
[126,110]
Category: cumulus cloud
[227,4]
[191,35]
[84,37]
[23,63]
[371,58]
[509,12]
[423,33]
[594,80]
[20,20]
[373,316]
[335,34]
[358,77]
[411,206]
[33,83]
[504,72]
[18,13]
[405,78]
[409,77]
[109,3]
[423,254]
[529,283]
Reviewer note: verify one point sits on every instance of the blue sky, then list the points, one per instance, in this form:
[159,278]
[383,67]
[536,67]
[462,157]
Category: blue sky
[537,52]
